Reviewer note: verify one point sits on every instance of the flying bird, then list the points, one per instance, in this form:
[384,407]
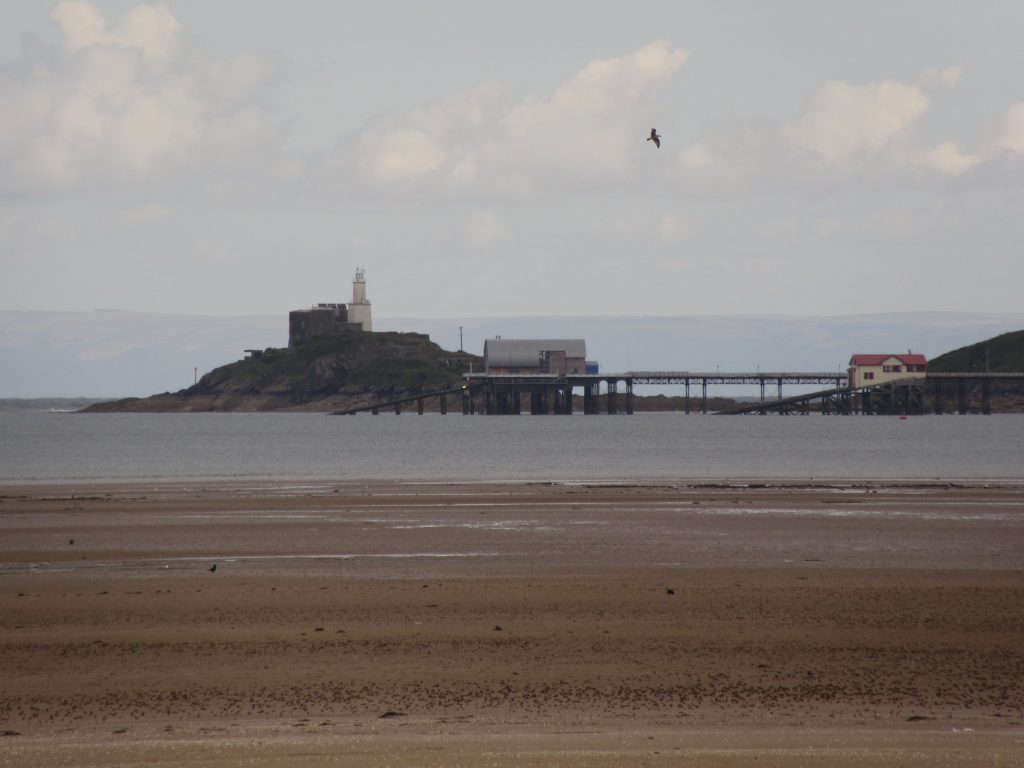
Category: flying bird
[655,138]
[213,568]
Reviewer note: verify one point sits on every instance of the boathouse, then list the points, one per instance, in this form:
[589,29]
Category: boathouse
[868,370]
[525,357]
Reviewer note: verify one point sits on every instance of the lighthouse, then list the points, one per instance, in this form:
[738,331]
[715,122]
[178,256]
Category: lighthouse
[359,307]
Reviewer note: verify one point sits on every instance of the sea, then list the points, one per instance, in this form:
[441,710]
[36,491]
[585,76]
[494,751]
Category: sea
[72,448]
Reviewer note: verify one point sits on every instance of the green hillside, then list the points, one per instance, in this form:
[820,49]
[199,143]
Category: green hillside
[1001,354]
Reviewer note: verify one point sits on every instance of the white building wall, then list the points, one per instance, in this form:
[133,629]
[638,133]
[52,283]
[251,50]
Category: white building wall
[868,375]
[359,308]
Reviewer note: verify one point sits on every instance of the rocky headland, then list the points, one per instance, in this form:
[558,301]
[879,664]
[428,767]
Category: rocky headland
[327,374]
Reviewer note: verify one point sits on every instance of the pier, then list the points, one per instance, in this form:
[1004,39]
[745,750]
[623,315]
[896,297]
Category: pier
[938,393]
[396,405]
[613,393]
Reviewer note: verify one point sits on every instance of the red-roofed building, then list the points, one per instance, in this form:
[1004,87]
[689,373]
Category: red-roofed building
[867,370]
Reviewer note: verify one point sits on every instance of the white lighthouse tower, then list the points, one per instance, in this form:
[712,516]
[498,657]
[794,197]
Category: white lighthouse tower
[359,308]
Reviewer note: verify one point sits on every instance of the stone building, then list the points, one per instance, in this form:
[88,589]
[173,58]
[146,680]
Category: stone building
[331,319]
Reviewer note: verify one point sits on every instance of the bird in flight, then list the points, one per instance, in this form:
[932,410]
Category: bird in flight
[655,138]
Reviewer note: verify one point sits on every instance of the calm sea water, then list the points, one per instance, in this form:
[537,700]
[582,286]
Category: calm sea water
[39,446]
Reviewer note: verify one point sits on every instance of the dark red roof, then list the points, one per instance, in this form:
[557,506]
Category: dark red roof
[907,359]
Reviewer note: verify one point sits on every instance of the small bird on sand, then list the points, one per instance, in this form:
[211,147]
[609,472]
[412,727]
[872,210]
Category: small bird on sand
[213,568]
[655,138]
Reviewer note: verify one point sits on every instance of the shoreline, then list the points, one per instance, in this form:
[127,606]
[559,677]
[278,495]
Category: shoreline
[866,624]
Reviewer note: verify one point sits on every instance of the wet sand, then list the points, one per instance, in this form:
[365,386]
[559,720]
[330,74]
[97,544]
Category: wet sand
[370,624]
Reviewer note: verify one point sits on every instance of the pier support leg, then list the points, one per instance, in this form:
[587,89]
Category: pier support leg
[629,397]
[536,403]
[419,406]
[986,399]
[444,405]
[961,396]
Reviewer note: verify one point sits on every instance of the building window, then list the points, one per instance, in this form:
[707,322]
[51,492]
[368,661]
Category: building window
[869,375]
[892,368]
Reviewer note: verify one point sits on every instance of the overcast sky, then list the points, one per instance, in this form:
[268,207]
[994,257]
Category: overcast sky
[482,159]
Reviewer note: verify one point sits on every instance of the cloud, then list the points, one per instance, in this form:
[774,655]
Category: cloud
[696,157]
[129,103]
[671,227]
[732,160]
[484,229]
[948,160]
[588,126]
[945,77]
[151,29]
[403,154]
[437,137]
[846,124]
[477,143]
[1010,135]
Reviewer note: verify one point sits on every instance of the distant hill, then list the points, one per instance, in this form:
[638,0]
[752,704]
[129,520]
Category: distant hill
[328,373]
[1002,354]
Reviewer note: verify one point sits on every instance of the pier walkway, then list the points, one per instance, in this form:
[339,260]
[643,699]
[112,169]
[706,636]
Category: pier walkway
[955,392]
[420,400]
[613,393]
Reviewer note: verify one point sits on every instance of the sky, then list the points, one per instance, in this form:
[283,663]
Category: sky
[480,159]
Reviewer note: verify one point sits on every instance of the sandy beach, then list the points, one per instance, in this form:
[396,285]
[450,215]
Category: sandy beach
[369,624]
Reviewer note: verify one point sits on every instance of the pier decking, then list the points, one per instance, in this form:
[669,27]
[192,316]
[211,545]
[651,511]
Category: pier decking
[613,393]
